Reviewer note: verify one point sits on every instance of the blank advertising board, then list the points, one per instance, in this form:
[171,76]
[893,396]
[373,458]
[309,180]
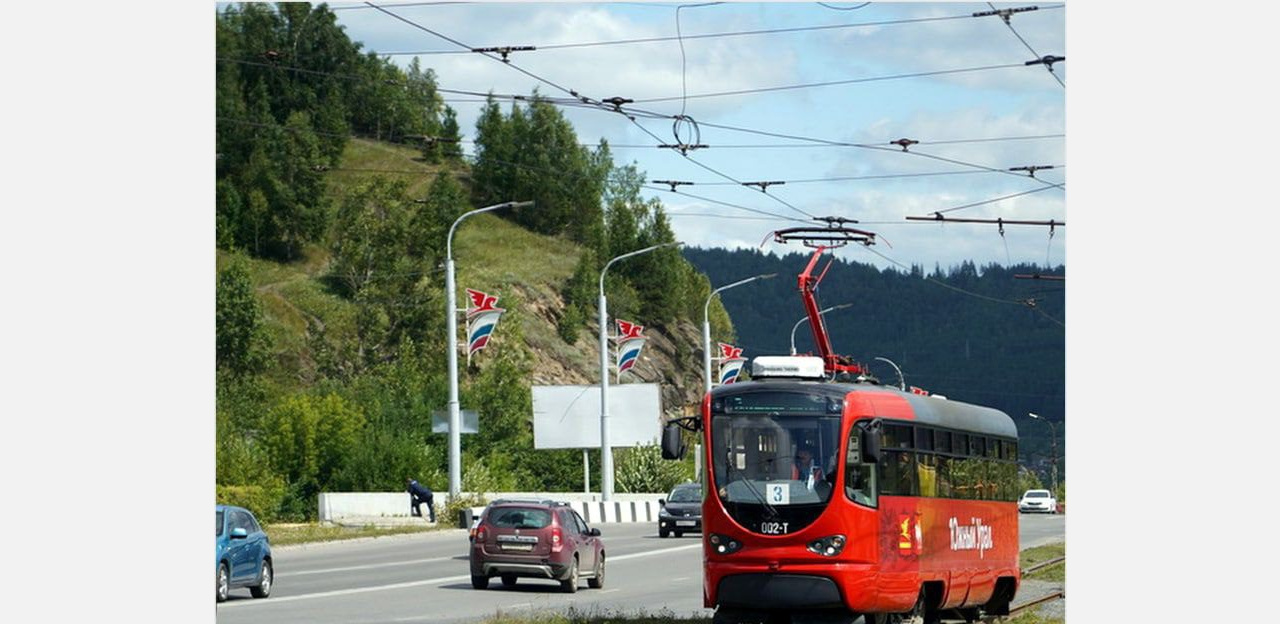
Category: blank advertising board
[569,416]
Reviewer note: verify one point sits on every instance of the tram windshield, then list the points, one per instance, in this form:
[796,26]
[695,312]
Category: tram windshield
[775,460]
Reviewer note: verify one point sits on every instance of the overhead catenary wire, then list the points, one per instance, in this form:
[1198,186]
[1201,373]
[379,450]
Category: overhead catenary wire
[1009,24]
[473,50]
[558,173]
[715,35]
[717,172]
[632,111]
[828,83]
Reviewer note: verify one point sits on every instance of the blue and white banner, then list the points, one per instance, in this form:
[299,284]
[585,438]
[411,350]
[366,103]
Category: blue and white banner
[482,318]
[630,342]
[731,362]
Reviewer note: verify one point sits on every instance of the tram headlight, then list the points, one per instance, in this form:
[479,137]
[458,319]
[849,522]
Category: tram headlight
[723,544]
[829,546]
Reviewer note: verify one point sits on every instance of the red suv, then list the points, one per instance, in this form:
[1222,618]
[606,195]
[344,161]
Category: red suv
[536,539]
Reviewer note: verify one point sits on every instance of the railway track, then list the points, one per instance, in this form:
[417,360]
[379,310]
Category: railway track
[1019,609]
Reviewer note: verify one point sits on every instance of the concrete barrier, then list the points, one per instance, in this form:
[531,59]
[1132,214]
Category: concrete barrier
[341,507]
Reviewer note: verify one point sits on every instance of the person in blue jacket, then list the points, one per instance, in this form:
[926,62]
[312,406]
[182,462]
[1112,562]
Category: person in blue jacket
[419,494]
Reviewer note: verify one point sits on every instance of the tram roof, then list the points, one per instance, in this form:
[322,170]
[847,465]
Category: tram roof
[927,410]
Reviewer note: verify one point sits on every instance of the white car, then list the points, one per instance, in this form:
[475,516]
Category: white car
[1038,500]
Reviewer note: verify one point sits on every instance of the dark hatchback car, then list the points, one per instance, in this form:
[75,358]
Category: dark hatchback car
[536,539]
[681,512]
[242,553]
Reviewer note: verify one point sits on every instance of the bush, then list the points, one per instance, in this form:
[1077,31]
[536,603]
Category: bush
[262,500]
[641,469]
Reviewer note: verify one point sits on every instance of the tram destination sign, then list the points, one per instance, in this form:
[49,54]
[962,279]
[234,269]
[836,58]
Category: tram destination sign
[779,402]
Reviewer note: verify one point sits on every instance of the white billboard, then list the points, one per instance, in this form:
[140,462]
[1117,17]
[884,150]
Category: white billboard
[569,416]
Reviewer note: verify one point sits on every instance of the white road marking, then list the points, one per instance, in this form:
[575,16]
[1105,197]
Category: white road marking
[363,567]
[346,592]
[434,581]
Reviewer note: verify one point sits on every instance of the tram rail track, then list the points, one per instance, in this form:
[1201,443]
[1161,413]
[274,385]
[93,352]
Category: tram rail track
[1016,610]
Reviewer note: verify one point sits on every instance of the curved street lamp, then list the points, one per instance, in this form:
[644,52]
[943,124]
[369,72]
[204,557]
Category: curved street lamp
[706,325]
[606,453]
[1053,440]
[806,317]
[451,316]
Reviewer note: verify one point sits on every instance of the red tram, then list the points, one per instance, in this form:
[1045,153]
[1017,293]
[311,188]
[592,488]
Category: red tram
[829,496]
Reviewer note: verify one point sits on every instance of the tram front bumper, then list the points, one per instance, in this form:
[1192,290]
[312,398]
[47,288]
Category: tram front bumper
[796,586]
[778,591]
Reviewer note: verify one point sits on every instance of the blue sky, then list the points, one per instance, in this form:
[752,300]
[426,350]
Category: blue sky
[953,115]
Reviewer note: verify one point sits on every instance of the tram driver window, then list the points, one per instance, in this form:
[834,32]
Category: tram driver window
[859,478]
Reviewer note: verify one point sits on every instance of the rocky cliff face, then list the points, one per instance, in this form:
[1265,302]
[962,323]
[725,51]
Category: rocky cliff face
[672,356]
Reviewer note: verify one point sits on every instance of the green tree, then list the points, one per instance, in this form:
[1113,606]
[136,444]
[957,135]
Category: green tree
[242,343]
[309,441]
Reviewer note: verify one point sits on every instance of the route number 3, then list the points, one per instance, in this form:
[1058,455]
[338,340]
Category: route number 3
[778,493]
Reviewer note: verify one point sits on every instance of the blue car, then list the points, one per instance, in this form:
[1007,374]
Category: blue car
[243,554]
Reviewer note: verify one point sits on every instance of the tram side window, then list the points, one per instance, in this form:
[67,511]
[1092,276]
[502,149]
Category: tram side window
[924,439]
[927,473]
[859,478]
[898,473]
[942,441]
[943,464]
[896,436]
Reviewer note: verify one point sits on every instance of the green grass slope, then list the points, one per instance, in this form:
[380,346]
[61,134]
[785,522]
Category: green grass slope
[525,269]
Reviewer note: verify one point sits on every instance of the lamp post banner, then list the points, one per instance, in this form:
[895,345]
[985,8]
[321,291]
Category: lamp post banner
[630,342]
[629,354]
[482,318]
[731,362]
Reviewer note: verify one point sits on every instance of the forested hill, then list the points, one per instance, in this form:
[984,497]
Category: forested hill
[988,345]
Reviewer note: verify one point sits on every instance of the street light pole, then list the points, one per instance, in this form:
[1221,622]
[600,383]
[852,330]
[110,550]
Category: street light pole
[806,317]
[606,454]
[706,325]
[1053,440]
[451,325]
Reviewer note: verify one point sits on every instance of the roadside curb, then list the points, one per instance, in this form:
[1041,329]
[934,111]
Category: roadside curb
[424,535]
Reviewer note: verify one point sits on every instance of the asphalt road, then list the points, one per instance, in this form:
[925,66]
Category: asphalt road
[425,578]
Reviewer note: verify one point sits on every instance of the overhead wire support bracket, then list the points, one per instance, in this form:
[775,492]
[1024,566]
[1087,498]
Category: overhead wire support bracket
[672,183]
[683,148]
[504,50]
[1031,169]
[764,186]
[904,143]
[834,222]
[616,102]
[1047,60]
[1006,13]
[1037,276]
[937,217]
